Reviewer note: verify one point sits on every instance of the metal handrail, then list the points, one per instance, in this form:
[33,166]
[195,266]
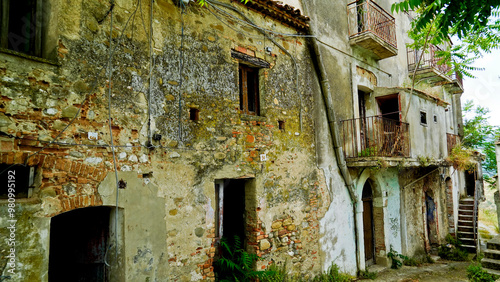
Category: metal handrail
[375,136]
[429,60]
[474,220]
[368,16]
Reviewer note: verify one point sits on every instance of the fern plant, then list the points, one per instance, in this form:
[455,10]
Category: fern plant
[236,264]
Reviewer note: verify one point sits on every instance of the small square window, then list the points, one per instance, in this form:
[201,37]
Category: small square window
[17,179]
[423,118]
[194,114]
[21,26]
[435,119]
[281,125]
[249,90]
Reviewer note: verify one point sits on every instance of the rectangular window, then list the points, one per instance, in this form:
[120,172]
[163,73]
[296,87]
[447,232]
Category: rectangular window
[21,26]
[17,179]
[249,90]
[423,118]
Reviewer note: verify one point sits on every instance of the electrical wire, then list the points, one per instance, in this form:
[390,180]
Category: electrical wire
[150,71]
[93,87]
[110,121]
[181,68]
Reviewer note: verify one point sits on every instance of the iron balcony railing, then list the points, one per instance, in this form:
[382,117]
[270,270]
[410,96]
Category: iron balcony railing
[451,141]
[458,77]
[375,137]
[367,16]
[429,60]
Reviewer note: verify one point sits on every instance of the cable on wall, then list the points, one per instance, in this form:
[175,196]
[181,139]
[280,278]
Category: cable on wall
[150,143]
[110,121]
[181,68]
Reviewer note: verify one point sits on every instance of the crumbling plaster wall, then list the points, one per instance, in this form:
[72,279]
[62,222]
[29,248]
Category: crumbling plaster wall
[415,239]
[169,201]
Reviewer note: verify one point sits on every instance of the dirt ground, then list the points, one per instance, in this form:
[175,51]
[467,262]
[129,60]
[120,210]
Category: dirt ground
[440,271]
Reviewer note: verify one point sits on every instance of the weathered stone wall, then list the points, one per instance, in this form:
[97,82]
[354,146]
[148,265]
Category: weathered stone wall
[417,238]
[168,197]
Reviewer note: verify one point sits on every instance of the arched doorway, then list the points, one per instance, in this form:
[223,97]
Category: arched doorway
[368,227]
[432,232]
[78,244]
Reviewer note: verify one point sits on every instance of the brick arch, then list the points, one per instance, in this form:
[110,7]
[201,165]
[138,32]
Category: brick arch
[57,172]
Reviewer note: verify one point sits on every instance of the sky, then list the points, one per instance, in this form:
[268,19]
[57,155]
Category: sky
[484,90]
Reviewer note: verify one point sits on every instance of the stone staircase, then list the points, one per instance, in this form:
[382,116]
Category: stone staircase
[491,260]
[465,228]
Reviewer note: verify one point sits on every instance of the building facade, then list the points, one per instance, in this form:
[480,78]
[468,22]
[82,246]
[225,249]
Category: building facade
[138,133]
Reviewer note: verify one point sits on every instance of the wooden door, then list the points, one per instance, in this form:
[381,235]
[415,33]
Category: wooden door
[368,234]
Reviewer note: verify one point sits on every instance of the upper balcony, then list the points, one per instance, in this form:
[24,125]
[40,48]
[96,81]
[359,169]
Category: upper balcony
[451,141]
[375,136]
[431,70]
[372,28]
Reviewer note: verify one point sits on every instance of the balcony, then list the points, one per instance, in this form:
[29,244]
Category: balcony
[451,141]
[372,28]
[430,69]
[375,137]
[456,85]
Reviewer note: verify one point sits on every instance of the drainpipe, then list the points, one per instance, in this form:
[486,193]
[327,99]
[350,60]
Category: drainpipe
[334,132]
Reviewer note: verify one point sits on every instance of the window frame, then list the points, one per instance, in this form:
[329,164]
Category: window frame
[37,24]
[249,93]
[424,114]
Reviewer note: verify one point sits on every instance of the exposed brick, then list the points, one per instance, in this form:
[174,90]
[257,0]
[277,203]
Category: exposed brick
[6,146]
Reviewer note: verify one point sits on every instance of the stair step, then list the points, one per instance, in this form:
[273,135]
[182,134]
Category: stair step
[493,245]
[461,235]
[467,199]
[492,271]
[492,254]
[490,263]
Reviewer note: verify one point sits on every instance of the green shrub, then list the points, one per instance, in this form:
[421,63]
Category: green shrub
[235,264]
[477,274]
[452,250]
[411,262]
[396,258]
[368,275]
[333,275]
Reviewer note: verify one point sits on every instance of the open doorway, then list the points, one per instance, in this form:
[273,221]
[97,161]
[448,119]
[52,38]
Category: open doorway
[389,107]
[231,213]
[78,245]
[470,183]
[430,207]
[368,227]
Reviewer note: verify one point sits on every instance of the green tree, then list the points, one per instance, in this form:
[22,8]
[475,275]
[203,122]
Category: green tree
[480,135]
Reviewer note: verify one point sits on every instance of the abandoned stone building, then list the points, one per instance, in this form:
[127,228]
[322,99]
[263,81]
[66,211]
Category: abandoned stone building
[135,134]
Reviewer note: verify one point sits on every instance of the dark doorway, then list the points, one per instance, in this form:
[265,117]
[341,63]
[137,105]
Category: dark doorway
[389,106]
[369,239]
[470,183]
[78,243]
[362,118]
[431,219]
[231,215]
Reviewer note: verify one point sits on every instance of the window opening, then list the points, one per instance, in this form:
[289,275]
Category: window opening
[281,124]
[423,118]
[194,114]
[17,179]
[249,90]
[21,26]
[435,119]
